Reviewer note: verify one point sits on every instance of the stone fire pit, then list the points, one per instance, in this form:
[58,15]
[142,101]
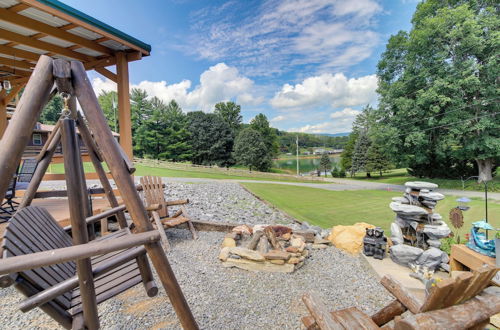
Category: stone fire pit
[269,248]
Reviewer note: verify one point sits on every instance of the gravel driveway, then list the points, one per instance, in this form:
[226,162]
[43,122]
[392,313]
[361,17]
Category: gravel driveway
[226,298]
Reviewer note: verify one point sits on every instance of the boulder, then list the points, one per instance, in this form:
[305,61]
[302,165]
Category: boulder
[246,253]
[228,242]
[404,254]
[279,230]
[259,227]
[349,238]
[434,243]
[431,258]
[396,234]
[418,185]
[296,241]
[243,229]
[224,253]
[431,196]
[437,231]
[308,235]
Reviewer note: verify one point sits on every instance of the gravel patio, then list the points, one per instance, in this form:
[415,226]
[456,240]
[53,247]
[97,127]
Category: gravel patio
[226,298]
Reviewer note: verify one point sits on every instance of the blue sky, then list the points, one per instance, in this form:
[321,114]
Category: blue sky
[308,65]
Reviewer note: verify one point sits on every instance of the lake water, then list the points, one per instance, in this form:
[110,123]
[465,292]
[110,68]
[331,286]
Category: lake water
[306,165]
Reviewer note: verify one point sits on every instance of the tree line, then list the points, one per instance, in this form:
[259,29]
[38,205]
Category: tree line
[438,112]
[164,131]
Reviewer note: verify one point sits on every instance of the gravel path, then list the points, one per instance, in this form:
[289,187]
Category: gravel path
[222,298]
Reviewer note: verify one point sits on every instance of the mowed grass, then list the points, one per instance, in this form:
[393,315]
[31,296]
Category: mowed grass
[175,173]
[326,208]
[400,176]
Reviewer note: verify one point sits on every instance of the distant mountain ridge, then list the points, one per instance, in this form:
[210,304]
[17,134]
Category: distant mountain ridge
[336,134]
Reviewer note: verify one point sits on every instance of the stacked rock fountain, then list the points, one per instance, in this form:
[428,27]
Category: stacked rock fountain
[417,228]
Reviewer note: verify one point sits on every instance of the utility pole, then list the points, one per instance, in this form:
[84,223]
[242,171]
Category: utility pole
[297,144]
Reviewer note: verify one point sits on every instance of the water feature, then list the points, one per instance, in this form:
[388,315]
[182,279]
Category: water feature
[306,165]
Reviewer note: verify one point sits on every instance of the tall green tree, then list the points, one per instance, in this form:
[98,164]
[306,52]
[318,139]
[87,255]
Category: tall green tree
[230,112]
[261,125]
[109,105]
[360,153]
[376,159]
[177,136]
[250,150]
[325,163]
[211,139]
[52,111]
[150,137]
[346,156]
[439,89]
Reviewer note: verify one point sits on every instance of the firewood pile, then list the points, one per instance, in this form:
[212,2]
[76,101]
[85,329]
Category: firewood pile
[269,248]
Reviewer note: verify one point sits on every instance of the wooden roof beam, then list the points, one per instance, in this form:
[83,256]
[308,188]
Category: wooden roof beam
[12,94]
[28,41]
[43,7]
[107,61]
[10,70]
[19,7]
[108,74]
[19,53]
[17,64]
[23,21]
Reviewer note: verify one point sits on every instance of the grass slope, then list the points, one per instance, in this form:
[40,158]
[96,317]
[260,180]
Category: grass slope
[175,173]
[329,208]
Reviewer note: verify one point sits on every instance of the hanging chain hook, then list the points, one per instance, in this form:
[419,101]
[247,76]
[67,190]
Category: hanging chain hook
[66,111]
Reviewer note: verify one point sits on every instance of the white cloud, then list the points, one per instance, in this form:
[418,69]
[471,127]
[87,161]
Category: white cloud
[277,119]
[327,89]
[347,112]
[279,35]
[219,83]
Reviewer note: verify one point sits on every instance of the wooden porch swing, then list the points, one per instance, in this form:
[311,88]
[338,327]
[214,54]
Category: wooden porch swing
[67,276]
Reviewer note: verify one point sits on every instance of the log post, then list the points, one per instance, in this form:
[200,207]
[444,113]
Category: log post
[388,313]
[401,294]
[104,138]
[23,121]
[71,152]
[124,103]
[95,157]
[320,313]
[40,170]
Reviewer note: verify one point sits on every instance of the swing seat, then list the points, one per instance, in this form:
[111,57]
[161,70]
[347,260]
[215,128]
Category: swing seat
[32,230]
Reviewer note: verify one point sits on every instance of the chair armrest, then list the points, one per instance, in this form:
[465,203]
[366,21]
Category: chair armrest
[102,215]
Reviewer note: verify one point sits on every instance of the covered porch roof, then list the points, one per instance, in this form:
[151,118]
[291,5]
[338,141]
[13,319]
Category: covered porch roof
[30,28]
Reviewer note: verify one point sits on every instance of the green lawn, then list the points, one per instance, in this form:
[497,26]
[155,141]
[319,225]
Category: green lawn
[328,208]
[175,173]
[400,176]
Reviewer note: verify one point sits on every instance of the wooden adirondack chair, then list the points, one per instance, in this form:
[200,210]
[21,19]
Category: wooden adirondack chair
[32,233]
[153,194]
[464,302]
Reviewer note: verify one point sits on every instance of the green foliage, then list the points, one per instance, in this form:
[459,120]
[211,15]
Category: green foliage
[439,90]
[325,163]
[376,159]
[446,244]
[360,153]
[211,139]
[261,125]
[52,111]
[230,112]
[109,105]
[250,150]
[346,156]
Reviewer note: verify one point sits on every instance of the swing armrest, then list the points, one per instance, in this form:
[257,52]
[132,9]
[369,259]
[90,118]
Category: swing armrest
[67,285]
[77,252]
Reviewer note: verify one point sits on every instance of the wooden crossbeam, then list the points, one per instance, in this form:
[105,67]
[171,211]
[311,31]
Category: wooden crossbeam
[19,53]
[23,21]
[29,41]
[108,74]
[21,65]
[12,94]
[19,73]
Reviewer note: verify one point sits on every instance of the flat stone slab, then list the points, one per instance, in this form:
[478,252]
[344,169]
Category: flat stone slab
[417,185]
[407,209]
[387,267]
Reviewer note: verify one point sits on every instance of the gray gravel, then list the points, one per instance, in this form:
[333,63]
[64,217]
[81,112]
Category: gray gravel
[222,298]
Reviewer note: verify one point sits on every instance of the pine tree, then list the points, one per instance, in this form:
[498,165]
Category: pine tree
[325,163]
[250,150]
[376,159]
[360,153]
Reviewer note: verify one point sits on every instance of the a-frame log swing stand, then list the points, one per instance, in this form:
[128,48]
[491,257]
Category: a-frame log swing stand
[70,79]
